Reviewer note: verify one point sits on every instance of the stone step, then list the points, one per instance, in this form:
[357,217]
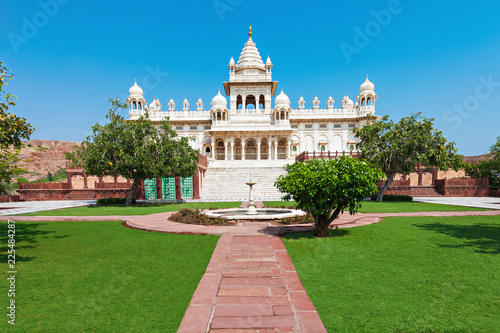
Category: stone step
[220,182]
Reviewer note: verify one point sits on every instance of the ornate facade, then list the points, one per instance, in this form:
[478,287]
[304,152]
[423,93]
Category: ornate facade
[250,127]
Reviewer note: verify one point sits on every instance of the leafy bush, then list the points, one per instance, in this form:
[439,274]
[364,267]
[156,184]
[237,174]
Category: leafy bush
[22,180]
[394,197]
[195,216]
[29,144]
[112,201]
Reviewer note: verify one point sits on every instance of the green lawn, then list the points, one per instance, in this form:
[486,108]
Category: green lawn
[392,207]
[101,277]
[138,209]
[405,274]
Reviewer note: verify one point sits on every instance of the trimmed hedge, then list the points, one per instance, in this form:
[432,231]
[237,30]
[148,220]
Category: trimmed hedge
[113,201]
[394,197]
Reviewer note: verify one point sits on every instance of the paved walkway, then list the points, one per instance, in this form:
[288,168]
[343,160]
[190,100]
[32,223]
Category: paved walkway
[27,207]
[251,286]
[479,202]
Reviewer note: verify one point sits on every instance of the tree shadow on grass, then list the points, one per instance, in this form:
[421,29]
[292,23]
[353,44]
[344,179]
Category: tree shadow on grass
[25,238]
[481,237]
[309,233]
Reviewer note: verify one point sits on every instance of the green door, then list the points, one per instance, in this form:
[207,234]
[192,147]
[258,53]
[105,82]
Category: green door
[168,188]
[187,188]
[150,189]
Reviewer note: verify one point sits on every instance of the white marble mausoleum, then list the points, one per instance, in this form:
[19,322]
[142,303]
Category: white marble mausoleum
[247,122]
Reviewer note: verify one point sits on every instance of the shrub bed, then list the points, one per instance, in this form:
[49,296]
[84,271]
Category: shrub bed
[112,201]
[195,216]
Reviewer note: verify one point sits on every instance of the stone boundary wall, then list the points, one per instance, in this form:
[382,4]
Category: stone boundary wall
[495,193]
[76,194]
[446,187]
[11,198]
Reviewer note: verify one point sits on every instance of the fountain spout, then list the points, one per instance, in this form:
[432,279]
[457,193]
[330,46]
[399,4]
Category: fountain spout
[251,207]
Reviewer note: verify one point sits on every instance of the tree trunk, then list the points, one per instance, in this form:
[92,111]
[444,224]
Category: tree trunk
[388,182]
[131,193]
[322,226]
[323,222]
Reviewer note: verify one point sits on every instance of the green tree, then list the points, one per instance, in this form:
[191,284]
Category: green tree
[325,188]
[12,130]
[137,149]
[488,167]
[405,147]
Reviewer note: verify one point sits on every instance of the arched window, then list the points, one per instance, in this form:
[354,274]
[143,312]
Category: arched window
[239,102]
[262,102]
[250,100]
[251,150]
[140,106]
[369,101]
[281,149]
[134,106]
[221,154]
[264,149]
[237,149]
[282,115]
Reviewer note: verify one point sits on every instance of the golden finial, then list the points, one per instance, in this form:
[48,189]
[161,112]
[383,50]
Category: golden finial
[250,32]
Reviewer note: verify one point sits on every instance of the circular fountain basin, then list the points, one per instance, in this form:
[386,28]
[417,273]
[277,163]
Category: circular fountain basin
[262,213]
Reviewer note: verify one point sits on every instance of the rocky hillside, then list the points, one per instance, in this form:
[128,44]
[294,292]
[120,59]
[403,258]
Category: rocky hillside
[40,157]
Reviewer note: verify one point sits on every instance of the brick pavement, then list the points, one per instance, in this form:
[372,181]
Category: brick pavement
[251,286]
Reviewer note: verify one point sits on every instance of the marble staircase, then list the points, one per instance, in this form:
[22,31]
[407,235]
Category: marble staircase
[228,182]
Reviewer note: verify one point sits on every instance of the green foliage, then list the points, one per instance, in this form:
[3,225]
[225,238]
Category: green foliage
[12,130]
[90,277]
[112,201]
[49,177]
[488,167]
[325,188]
[29,144]
[137,149]
[405,146]
[394,197]
[195,216]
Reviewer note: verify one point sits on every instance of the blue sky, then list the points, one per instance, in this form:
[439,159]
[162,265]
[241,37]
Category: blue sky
[70,57]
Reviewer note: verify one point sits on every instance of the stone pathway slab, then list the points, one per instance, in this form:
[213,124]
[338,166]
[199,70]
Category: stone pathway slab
[251,286]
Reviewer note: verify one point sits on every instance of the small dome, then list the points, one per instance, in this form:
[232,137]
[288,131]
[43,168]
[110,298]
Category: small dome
[367,86]
[268,61]
[231,62]
[219,101]
[347,102]
[282,100]
[153,103]
[135,90]
[199,100]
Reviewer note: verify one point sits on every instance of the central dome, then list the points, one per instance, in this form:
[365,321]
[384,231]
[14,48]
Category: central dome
[250,56]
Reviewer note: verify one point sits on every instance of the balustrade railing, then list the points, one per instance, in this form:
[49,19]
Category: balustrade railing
[307,155]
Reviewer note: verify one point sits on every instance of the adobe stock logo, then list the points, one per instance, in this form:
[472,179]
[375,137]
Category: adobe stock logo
[30,28]
[363,37]
[470,104]
[222,6]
